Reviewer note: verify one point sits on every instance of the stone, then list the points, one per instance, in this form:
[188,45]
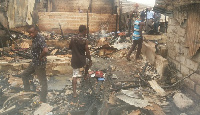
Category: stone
[179,75]
[189,83]
[191,64]
[196,78]
[198,89]
[181,59]
[184,70]
[182,101]
[43,109]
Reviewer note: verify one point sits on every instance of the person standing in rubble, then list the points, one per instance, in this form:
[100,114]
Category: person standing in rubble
[38,64]
[150,18]
[157,17]
[137,37]
[80,56]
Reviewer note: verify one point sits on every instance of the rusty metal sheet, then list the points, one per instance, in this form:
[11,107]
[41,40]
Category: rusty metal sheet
[193,29]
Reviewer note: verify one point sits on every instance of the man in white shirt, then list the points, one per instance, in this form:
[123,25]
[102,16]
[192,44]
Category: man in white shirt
[150,15]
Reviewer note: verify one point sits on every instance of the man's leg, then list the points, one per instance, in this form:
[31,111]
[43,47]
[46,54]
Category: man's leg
[149,25]
[25,76]
[87,66]
[41,75]
[131,50]
[74,81]
[139,48]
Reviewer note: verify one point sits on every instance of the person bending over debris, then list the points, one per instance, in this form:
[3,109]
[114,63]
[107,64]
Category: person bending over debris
[137,37]
[80,51]
[38,64]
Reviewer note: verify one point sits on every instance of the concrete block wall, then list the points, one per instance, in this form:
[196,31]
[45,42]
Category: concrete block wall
[178,54]
[102,6]
[98,6]
[70,21]
[70,5]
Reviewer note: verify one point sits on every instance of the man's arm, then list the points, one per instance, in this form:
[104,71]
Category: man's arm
[44,53]
[70,44]
[141,28]
[44,48]
[87,50]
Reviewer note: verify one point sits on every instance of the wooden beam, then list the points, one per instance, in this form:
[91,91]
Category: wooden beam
[157,88]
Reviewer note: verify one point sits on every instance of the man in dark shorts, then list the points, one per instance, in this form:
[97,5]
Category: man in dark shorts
[38,64]
[80,54]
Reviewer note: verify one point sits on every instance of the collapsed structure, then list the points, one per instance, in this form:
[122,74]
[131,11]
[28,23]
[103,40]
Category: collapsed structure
[59,23]
[183,38]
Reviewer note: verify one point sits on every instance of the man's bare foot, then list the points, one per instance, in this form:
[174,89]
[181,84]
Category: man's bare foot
[75,95]
[86,77]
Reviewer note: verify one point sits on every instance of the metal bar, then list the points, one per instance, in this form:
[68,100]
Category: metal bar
[61,31]
[116,22]
[88,24]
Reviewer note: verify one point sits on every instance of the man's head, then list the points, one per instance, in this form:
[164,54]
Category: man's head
[32,31]
[82,29]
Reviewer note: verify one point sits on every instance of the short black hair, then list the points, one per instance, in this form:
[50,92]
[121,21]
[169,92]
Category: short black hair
[82,28]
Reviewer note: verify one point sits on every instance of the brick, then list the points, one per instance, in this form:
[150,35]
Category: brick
[184,70]
[196,78]
[189,83]
[179,75]
[181,59]
[198,89]
[191,64]
[182,101]
[177,64]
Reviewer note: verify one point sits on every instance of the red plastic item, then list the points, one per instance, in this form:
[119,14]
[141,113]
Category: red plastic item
[98,74]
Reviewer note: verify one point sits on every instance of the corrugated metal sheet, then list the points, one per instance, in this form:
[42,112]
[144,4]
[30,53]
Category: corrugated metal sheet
[193,29]
[19,12]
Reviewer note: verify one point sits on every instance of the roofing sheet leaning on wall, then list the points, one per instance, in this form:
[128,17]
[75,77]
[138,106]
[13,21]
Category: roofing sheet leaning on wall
[19,12]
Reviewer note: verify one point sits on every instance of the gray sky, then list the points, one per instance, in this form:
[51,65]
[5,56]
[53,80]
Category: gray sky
[147,2]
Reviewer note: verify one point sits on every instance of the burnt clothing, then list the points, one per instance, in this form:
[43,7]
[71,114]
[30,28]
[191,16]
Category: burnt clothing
[135,43]
[38,44]
[77,45]
[40,71]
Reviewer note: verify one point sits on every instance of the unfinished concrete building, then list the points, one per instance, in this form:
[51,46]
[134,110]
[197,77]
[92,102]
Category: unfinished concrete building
[70,14]
[183,35]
